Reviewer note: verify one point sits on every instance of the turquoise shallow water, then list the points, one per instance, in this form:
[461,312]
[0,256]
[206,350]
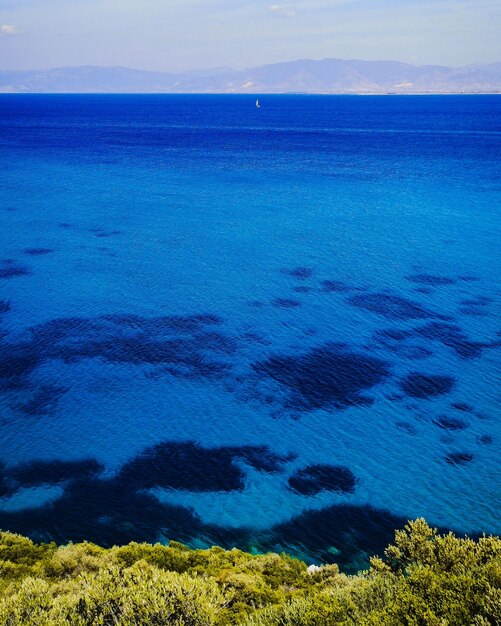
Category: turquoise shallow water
[273,328]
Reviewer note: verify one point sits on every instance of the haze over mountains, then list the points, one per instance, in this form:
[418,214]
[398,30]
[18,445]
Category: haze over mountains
[304,76]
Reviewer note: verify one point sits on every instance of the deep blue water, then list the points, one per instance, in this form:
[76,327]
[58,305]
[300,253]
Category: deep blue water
[273,328]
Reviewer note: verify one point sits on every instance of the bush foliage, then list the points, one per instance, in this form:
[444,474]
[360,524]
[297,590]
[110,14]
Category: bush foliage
[424,578]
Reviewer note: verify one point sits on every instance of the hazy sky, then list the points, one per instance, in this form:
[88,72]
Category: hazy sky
[174,35]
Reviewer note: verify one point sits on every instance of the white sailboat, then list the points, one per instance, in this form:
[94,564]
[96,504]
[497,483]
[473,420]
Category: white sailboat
[258,106]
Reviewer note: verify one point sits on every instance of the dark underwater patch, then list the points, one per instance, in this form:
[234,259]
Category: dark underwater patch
[165,324]
[4,307]
[43,401]
[256,304]
[450,423]
[315,478]
[99,232]
[481,416]
[185,346]
[392,307]
[453,337]
[473,311]
[449,335]
[188,466]
[395,334]
[345,534]
[331,286]
[206,319]
[214,341]
[462,406]
[5,486]
[395,397]
[181,357]
[285,303]
[16,363]
[54,472]
[37,251]
[116,510]
[310,332]
[395,340]
[330,376]
[260,458]
[429,279]
[406,350]
[485,440]
[301,289]
[426,386]
[13,271]
[63,329]
[459,458]
[406,427]
[105,513]
[477,301]
[300,273]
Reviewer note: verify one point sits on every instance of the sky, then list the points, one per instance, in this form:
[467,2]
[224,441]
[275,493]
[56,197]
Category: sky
[179,35]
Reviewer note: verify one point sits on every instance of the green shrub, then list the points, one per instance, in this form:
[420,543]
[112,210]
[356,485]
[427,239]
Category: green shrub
[423,579]
[133,596]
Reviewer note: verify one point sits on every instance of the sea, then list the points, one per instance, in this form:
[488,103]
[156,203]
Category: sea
[270,328]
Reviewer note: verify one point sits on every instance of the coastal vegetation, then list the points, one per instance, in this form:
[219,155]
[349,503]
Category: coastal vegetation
[423,578]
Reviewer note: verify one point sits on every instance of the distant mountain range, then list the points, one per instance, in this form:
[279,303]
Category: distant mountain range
[326,76]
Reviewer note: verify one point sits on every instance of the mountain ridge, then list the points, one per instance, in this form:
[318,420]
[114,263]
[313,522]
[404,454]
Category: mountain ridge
[325,76]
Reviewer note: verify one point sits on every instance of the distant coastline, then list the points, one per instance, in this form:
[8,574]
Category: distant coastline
[260,93]
[325,77]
